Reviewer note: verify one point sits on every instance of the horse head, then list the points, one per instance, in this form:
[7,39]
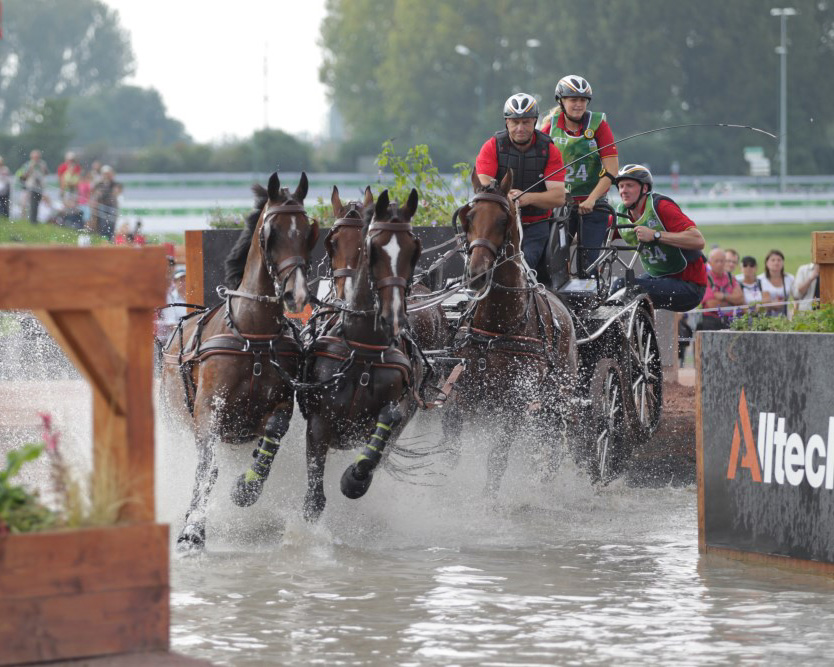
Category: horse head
[286,240]
[343,242]
[488,220]
[392,252]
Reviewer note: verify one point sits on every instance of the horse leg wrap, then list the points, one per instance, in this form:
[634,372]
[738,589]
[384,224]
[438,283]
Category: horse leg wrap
[357,478]
[249,485]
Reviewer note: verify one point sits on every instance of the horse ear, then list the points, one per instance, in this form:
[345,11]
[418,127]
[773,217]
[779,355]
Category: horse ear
[381,204]
[507,181]
[312,236]
[336,202]
[369,197]
[463,217]
[476,182]
[410,207]
[273,188]
[301,190]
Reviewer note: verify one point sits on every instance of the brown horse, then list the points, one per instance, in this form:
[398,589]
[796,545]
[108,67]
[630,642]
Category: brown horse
[226,368]
[518,340]
[372,396]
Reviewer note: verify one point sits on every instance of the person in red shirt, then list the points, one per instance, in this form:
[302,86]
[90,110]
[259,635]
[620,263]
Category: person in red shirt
[532,157]
[69,175]
[676,275]
[723,292]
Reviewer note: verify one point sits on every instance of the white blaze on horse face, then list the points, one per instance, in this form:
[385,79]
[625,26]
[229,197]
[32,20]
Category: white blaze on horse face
[299,291]
[392,249]
[348,288]
[293,228]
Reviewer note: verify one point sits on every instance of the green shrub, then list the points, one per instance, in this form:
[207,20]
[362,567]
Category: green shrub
[814,321]
[416,170]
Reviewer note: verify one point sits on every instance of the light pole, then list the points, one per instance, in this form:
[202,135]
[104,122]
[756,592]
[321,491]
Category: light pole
[783,13]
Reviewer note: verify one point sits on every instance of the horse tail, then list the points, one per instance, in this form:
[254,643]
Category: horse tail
[236,259]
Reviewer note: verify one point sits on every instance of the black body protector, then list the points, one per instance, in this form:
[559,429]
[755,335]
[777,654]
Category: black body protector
[528,167]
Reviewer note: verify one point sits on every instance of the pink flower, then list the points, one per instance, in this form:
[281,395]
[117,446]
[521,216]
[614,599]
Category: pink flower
[50,437]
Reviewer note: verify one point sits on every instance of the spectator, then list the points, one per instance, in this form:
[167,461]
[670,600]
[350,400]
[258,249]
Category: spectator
[72,215]
[723,292]
[123,235]
[138,236]
[84,191]
[806,287]
[69,175]
[5,189]
[106,208]
[730,261]
[751,285]
[170,316]
[33,174]
[776,283]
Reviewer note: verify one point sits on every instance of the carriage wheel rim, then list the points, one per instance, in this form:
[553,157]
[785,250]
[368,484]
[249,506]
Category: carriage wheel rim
[644,357]
[612,409]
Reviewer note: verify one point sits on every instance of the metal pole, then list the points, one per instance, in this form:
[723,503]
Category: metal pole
[783,106]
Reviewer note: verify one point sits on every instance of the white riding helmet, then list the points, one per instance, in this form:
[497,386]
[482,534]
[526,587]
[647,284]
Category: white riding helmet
[573,85]
[521,105]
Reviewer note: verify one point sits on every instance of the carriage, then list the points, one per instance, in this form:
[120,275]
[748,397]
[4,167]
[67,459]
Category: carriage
[620,382]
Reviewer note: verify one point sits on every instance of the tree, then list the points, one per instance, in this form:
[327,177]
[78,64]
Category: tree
[55,49]
[123,117]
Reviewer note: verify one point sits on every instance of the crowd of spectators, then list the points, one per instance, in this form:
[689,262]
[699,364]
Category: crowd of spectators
[87,198]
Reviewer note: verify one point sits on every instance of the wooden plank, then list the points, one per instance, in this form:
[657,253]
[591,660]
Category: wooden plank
[822,247]
[822,253]
[194,279]
[73,626]
[140,415]
[89,346]
[699,447]
[84,561]
[67,278]
[795,564]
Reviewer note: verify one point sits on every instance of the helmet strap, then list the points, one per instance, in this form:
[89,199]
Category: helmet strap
[636,203]
[578,121]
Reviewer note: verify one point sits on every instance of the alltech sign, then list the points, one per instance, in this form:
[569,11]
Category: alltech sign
[766,444]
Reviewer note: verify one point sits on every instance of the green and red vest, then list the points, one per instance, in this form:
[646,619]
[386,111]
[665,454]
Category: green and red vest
[580,178]
[658,258]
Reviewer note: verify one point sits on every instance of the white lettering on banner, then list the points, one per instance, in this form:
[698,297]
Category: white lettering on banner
[782,456]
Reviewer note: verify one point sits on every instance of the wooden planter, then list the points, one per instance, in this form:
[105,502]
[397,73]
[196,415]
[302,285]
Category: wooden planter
[96,591]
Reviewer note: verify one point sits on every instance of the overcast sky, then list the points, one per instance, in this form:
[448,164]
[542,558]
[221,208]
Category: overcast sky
[206,58]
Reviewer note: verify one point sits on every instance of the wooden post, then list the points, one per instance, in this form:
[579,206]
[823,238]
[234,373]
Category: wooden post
[194,280]
[822,253]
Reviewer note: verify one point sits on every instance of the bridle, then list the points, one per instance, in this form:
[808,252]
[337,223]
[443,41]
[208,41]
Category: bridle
[352,218]
[396,282]
[285,267]
[499,253]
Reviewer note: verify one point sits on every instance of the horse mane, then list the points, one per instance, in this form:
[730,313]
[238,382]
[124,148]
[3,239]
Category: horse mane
[236,259]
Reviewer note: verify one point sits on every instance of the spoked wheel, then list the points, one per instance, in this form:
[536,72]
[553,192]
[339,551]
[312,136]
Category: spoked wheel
[645,375]
[608,445]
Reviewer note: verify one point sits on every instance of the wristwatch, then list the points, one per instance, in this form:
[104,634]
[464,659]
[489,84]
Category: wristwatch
[657,235]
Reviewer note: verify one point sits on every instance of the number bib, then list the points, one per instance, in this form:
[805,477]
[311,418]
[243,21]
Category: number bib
[580,178]
[659,259]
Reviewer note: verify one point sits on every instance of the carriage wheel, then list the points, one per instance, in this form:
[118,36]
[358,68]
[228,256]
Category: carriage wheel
[645,375]
[608,447]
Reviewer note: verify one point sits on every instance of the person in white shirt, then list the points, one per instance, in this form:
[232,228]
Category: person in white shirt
[806,287]
[776,283]
[751,285]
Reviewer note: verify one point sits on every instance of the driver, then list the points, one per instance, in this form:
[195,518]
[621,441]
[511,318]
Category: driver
[531,156]
[676,275]
[579,133]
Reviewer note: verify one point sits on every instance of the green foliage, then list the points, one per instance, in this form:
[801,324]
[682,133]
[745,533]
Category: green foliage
[416,170]
[123,117]
[20,510]
[220,219]
[807,321]
[57,49]
[397,70]
[23,231]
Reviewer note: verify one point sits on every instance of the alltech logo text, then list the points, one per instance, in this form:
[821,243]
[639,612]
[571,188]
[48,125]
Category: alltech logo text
[778,456]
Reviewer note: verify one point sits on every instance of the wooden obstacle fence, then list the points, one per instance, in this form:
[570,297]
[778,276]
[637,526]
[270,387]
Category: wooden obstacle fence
[103,590]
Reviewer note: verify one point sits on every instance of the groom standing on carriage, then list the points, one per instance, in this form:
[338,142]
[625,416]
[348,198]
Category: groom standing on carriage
[531,155]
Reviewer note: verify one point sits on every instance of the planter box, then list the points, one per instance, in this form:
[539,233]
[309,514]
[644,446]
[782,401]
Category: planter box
[765,446]
[73,594]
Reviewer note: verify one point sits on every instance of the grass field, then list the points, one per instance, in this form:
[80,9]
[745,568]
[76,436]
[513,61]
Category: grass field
[22,231]
[794,240]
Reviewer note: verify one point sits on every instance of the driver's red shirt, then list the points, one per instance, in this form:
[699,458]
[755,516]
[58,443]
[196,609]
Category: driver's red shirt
[487,163]
[675,220]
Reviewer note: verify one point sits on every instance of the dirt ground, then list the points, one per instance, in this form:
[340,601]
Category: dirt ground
[669,457]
